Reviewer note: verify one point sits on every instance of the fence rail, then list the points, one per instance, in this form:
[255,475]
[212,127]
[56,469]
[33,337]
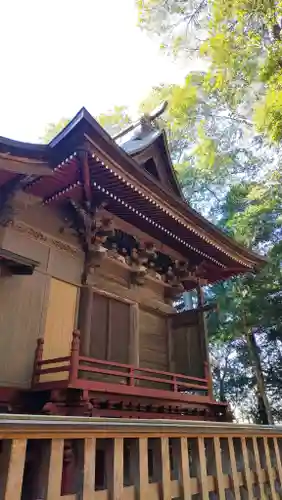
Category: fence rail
[54,458]
[79,368]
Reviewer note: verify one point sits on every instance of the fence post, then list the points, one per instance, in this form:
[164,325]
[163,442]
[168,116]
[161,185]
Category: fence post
[74,357]
[37,357]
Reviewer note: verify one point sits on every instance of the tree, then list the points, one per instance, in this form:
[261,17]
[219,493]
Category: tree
[221,158]
[241,44]
[212,147]
[251,306]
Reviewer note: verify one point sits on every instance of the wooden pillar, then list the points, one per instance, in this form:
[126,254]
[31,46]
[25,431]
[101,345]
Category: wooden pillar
[204,340]
[109,330]
[169,345]
[134,342]
[84,319]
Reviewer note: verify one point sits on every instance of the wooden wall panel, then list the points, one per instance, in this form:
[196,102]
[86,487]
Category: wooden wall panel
[64,266]
[120,331]
[153,341]
[21,310]
[99,327]
[110,329]
[27,247]
[60,319]
[49,220]
[188,355]
[149,296]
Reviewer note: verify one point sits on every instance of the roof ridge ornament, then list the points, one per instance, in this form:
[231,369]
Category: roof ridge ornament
[146,118]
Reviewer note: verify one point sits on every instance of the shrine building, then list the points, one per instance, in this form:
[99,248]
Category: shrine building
[96,244]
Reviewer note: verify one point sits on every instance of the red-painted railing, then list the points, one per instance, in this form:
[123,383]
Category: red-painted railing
[132,374]
[83,368]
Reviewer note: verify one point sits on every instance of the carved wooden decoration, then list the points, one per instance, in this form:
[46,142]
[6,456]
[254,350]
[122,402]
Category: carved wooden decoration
[138,269]
[7,193]
[93,232]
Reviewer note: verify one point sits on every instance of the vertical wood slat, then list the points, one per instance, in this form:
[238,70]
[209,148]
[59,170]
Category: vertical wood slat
[117,479]
[13,457]
[218,467]
[15,469]
[247,468]
[55,469]
[269,469]
[165,469]
[234,472]
[142,472]
[184,472]
[89,468]
[203,469]
[258,467]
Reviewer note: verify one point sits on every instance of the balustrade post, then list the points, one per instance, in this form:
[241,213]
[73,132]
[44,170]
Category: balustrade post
[131,376]
[38,355]
[74,357]
[174,382]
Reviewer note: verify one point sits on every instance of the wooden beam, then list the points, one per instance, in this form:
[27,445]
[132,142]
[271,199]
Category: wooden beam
[188,317]
[25,166]
[134,231]
[83,158]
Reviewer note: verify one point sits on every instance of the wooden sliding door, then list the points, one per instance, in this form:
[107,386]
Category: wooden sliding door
[108,327]
[59,324]
[60,319]
[188,347]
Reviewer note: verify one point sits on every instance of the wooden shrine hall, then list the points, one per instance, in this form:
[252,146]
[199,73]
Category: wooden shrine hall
[96,244]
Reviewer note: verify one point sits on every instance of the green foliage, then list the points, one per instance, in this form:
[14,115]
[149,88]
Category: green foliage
[207,142]
[115,120]
[241,42]
[232,174]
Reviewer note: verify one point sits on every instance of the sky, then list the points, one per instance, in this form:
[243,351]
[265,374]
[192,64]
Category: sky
[60,55]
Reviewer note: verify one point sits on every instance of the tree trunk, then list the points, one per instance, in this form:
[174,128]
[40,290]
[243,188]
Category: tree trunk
[263,403]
